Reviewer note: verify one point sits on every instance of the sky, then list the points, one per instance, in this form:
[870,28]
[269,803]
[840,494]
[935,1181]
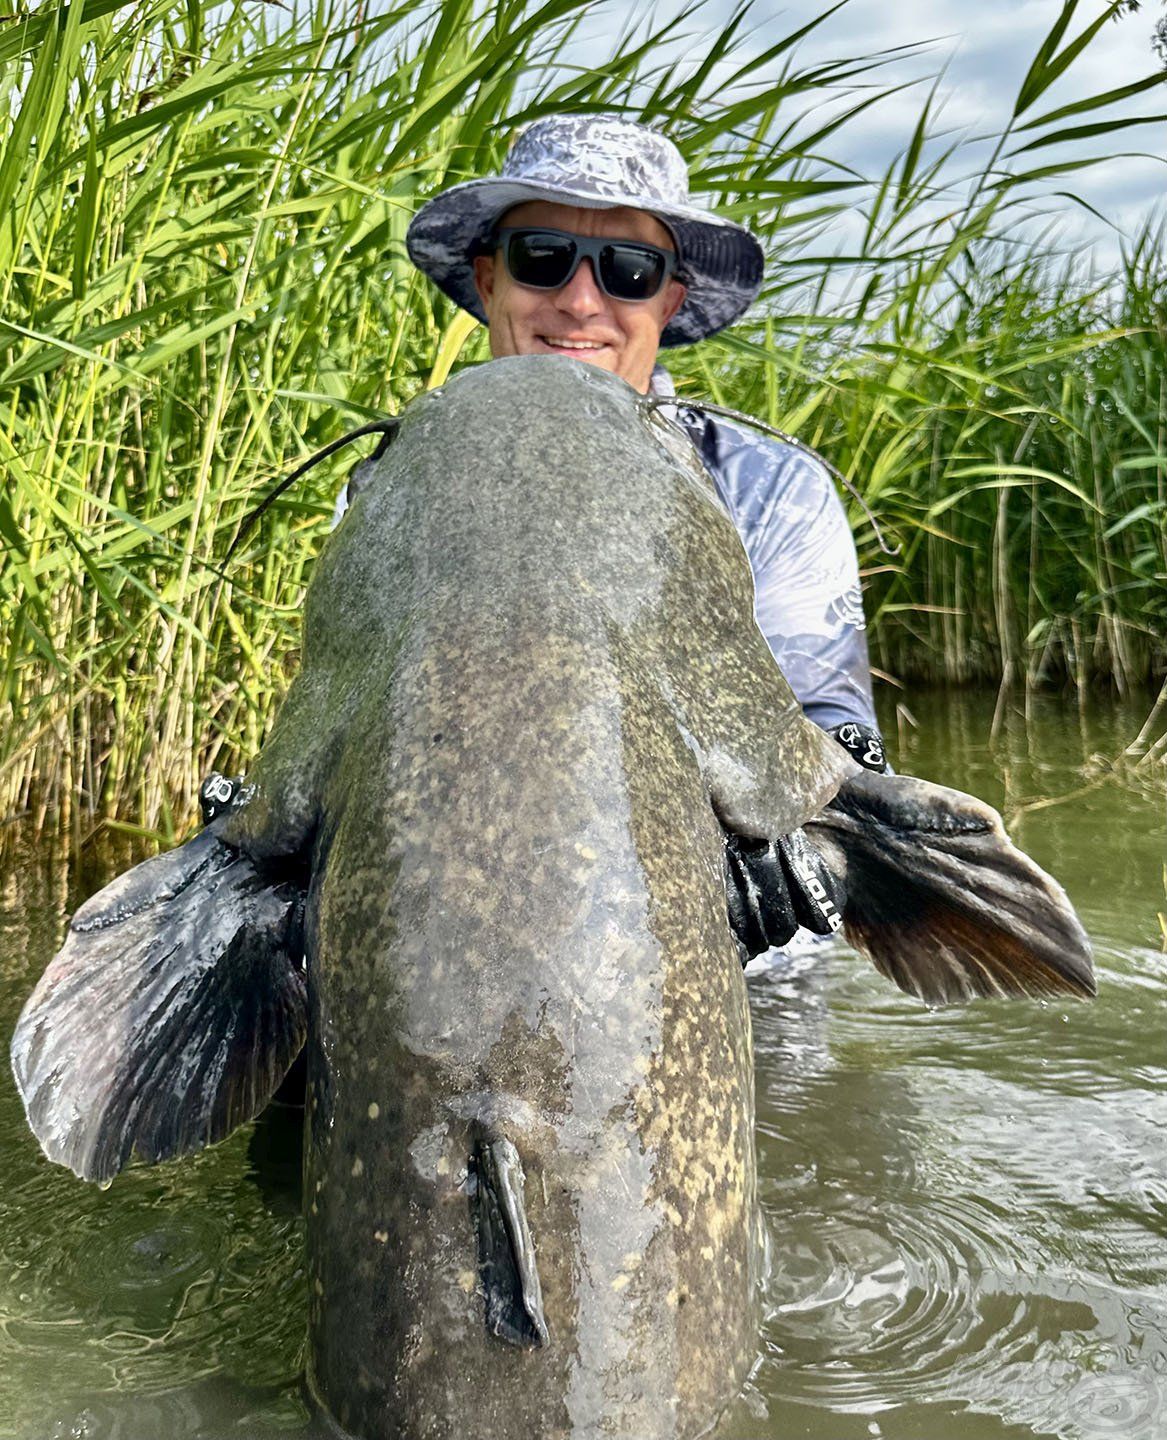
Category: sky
[984,48]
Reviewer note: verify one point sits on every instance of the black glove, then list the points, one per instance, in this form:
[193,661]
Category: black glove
[774,886]
[864,745]
[217,794]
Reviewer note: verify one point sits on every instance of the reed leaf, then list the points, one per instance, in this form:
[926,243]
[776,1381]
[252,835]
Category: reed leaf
[203,278]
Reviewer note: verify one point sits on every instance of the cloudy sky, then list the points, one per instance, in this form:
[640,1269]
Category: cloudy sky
[984,48]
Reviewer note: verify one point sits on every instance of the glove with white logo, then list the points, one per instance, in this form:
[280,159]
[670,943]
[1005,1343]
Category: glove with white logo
[217,794]
[774,886]
[863,744]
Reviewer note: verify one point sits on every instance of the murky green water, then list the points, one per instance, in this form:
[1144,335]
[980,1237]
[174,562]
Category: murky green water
[968,1209]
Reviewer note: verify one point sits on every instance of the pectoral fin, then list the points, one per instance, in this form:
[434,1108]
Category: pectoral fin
[940,899]
[506,1252]
[170,1015]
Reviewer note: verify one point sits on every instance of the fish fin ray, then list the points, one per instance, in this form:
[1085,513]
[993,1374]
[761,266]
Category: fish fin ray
[506,1252]
[941,901]
[169,1016]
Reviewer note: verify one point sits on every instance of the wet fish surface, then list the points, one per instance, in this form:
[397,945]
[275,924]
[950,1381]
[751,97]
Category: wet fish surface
[533,702]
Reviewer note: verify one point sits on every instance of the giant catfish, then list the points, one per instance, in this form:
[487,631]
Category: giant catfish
[532,705]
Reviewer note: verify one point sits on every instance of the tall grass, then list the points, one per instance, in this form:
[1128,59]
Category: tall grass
[203,278]
[1011,430]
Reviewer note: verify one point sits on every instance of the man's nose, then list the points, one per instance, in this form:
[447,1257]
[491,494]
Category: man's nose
[581,296]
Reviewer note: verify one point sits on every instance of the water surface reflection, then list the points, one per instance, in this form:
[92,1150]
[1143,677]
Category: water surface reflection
[967,1208]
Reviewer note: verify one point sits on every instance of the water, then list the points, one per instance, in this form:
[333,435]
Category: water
[967,1208]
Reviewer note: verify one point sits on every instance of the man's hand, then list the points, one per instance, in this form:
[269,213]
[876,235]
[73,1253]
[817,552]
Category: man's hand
[774,886]
[217,794]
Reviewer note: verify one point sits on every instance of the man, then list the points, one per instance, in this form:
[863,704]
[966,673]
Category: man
[571,182]
[588,246]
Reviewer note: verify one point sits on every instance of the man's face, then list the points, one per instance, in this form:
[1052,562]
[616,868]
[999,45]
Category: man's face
[578,319]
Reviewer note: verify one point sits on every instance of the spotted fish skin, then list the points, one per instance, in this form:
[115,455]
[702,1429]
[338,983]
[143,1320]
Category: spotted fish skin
[491,818]
[531,687]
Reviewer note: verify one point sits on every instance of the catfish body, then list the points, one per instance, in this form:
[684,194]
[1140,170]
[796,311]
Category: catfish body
[534,632]
[533,701]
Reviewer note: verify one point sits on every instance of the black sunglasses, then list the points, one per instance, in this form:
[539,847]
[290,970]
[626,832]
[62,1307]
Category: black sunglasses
[546,259]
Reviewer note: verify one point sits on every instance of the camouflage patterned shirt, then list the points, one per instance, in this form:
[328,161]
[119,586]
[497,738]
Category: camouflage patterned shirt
[808,602]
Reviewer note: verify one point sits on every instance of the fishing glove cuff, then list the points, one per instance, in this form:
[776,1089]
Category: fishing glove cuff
[217,794]
[863,743]
[774,886]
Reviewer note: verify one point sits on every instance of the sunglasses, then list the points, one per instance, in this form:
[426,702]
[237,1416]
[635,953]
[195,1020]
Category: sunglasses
[546,259]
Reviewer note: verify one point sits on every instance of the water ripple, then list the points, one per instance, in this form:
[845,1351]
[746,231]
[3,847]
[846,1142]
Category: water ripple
[965,1207]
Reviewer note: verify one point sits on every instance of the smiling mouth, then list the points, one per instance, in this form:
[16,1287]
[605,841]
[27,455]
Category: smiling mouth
[554,343]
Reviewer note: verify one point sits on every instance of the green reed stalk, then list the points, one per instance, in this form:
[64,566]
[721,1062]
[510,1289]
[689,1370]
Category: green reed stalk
[203,278]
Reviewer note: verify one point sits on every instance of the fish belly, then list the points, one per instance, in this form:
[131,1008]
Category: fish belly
[520,939]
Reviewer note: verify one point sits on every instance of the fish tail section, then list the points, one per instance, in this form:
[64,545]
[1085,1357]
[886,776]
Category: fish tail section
[506,1252]
[941,901]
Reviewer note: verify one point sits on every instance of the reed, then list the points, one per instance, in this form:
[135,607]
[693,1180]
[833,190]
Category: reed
[203,278]
[1012,436]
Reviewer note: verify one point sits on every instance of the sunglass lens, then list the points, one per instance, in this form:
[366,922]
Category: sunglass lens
[537,258]
[631,272]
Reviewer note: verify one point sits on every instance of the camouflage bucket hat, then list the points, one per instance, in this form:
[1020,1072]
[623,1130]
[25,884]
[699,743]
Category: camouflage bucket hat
[597,162]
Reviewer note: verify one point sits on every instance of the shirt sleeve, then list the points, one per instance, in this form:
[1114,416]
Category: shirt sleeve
[807,598]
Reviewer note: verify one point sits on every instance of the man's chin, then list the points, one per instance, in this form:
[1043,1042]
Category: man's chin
[604,357]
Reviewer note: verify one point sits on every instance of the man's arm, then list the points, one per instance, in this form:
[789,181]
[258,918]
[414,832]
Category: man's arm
[808,604]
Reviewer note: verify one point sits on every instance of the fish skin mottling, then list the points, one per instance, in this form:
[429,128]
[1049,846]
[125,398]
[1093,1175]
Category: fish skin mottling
[531,685]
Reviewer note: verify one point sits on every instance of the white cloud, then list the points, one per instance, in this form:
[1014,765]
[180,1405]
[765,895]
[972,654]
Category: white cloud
[984,48]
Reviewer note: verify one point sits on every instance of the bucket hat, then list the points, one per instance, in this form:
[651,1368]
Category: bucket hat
[597,162]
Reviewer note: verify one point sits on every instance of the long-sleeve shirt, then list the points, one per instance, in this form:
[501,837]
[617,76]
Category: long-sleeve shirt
[807,598]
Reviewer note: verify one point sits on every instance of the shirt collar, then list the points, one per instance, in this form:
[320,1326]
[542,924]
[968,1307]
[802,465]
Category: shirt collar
[661,382]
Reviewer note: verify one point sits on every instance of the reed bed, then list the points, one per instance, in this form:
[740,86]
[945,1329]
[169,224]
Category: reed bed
[203,279]
[1014,442]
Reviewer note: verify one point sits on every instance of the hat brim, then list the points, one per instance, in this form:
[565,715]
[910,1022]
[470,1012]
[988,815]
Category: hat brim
[721,261]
